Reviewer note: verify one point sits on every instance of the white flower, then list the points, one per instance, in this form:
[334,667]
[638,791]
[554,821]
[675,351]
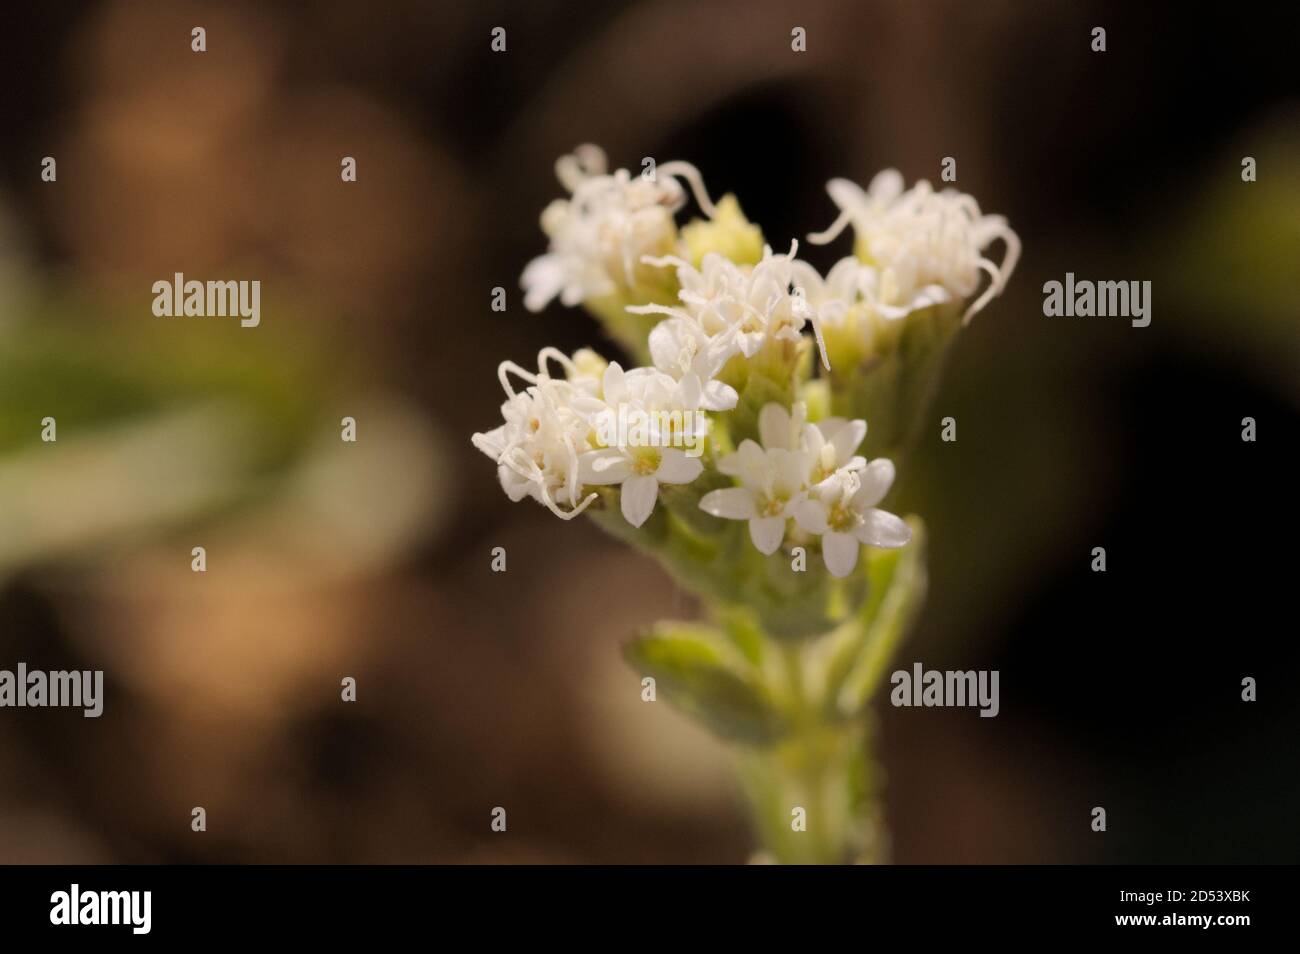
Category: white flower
[829,444]
[842,512]
[728,309]
[681,347]
[923,247]
[545,430]
[772,485]
[832,444]
[640,461]
[600,235]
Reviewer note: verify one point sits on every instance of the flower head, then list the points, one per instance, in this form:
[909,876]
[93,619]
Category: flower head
[773,482]
[923,247]
[545,429]
[841,510]
[600,234]
[647,433]
[728,309]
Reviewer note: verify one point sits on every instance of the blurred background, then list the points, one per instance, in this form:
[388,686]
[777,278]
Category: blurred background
[371,560]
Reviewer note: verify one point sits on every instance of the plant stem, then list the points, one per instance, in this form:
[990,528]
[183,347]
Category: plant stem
[821,768]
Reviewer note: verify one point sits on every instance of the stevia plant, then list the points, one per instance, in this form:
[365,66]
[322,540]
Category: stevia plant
[737,452]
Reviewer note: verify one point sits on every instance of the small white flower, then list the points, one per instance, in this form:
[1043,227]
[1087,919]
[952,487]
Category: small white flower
[641,462]
[772,485]
[640,471]
[680,347]
[832,444]
[600,235]
[727,309]
[546,425]
[842,512]
[923,247]
[829,444]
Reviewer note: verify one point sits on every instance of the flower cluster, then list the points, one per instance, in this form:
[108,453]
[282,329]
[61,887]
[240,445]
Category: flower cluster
[726,331]
[916,247]
[811,473]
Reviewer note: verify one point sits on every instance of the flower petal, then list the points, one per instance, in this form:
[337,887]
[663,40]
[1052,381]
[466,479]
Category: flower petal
[690,391]
[882,529]
[676,468]
[774,426]
[542,280]
[719,397]
[767,533]
[638,499]
[847,438]
[877,477]
[615,390]
[731,503]
[492,443]
[792,469]
[609,466]
[811,516]
[748,460]
[840,551]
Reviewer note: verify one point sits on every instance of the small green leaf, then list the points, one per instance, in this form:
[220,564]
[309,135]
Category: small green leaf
[701,674]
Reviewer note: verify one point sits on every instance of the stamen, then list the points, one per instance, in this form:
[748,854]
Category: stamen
[832,233]
[505,367]
[684,170]
[559,357]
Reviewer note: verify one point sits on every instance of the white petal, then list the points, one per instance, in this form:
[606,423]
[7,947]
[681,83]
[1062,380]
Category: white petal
[882,529]
[604,467]
[749,459]
[639,495]
[845,194]
[676,468]
[811,516]
[665,346]
[719,397]
[886,186]
[767,533]
[690,391]
[774,426]
[732,503]
[876,479]
[792,468]
[491,443]
[847,438]
[615,390]
[840,551]
[542,280]
[516,487]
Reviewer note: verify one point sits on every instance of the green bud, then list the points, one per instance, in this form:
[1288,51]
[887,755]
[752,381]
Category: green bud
[728,233]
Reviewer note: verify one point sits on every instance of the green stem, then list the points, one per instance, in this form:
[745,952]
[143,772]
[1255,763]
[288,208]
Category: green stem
[821,767]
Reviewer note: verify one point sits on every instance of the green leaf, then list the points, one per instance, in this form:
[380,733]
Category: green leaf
[701,674]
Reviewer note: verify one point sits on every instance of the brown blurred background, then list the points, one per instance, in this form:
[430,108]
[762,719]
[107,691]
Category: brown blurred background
[371,560]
